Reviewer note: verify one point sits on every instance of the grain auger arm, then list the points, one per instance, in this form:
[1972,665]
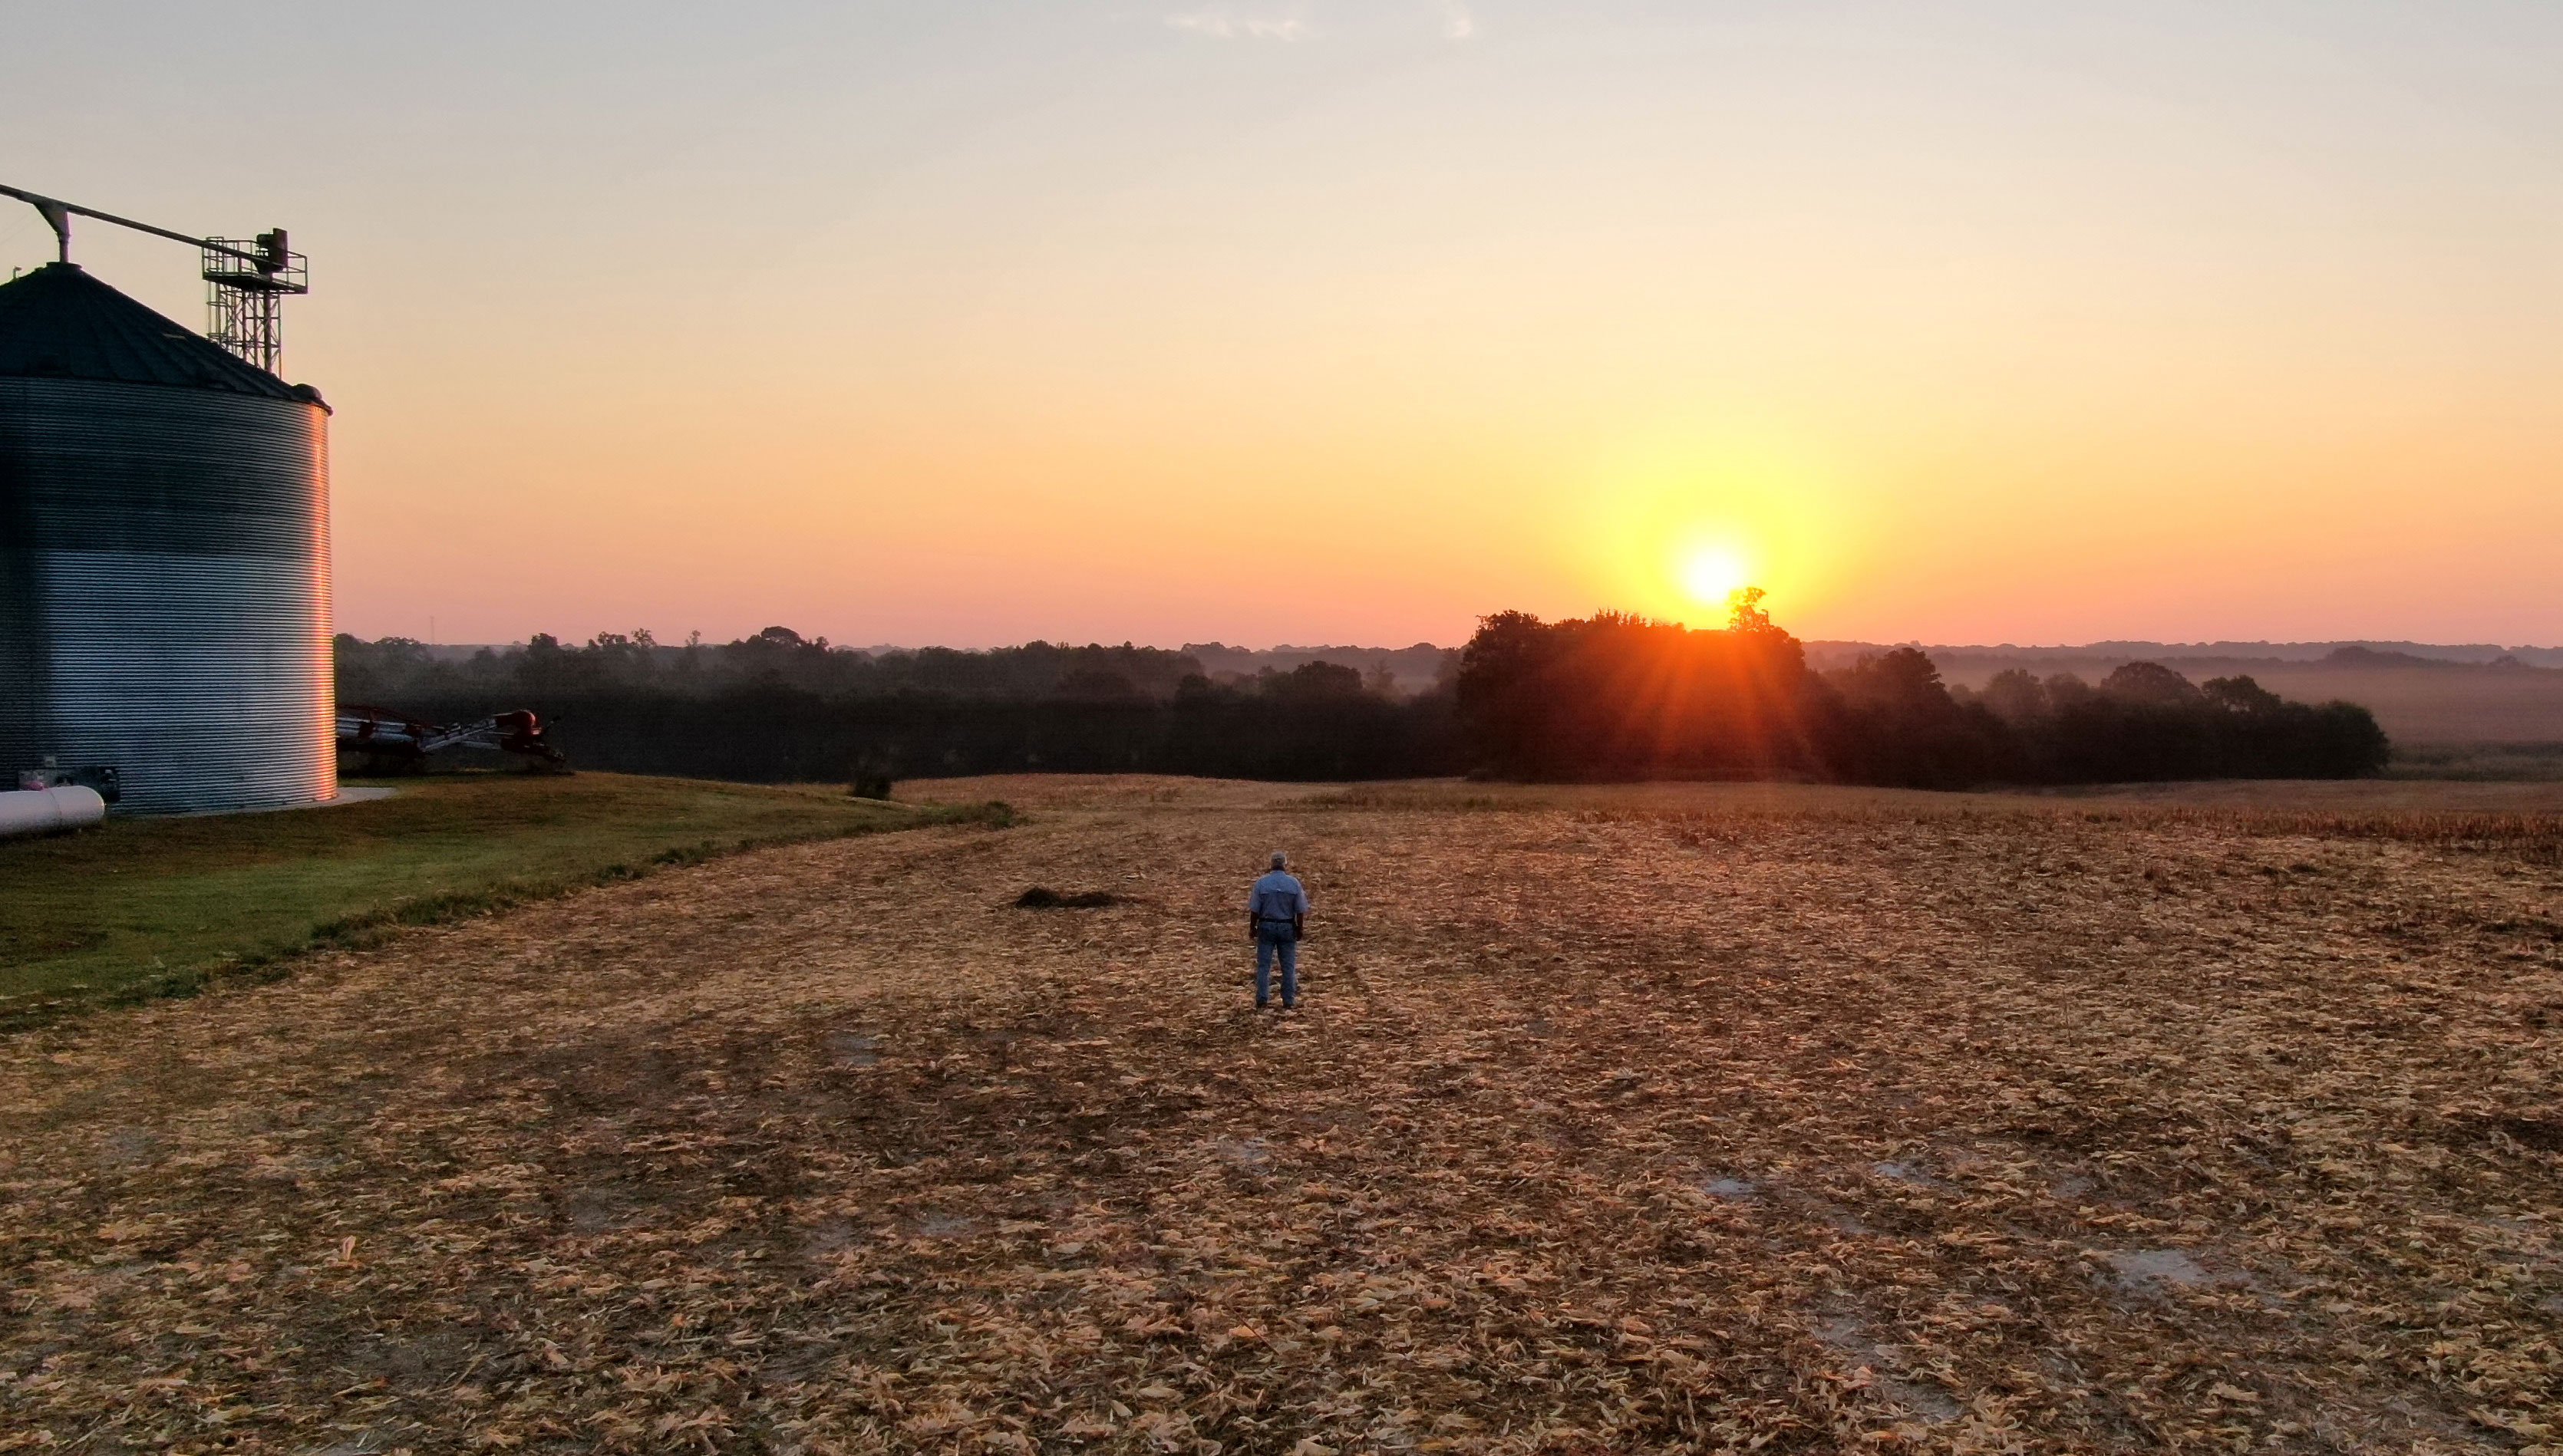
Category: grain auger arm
[245,277]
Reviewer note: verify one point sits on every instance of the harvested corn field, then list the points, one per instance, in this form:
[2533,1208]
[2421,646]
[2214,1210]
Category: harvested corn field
[1612,1119]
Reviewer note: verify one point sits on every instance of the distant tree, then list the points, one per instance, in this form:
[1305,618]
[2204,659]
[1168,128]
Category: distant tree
[2150,683]
[2343,741]
[546,667]
[1900,725]
[1311,680]
[1620,697]
[2241,695]
[1904,681]
[2065,692]
[2015,697]
[1744,614]
[1097,686]
[622,657]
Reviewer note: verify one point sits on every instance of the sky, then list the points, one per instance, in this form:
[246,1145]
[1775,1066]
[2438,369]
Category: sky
[1329,323]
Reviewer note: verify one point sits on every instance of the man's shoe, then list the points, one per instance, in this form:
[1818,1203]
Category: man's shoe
[1259,1005]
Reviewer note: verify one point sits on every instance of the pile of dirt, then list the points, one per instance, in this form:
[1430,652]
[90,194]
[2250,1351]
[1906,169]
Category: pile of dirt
[1040,898]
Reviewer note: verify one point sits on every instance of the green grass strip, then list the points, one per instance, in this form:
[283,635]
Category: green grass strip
[139,909]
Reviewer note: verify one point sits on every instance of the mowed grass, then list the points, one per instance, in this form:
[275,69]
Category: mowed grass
[141,907]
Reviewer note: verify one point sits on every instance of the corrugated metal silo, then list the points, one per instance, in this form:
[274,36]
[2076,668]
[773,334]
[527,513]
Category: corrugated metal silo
[164,557]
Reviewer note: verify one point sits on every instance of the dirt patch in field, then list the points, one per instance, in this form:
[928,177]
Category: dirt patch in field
[1043,897]
[1602,1128]
[1100,791]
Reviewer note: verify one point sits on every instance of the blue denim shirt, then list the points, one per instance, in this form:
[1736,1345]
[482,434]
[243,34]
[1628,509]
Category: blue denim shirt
[1278,897]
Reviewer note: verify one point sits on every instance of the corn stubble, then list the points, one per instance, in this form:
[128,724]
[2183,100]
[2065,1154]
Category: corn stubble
[1599,1130]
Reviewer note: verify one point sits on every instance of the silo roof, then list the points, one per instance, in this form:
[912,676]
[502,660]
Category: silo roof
[58,322]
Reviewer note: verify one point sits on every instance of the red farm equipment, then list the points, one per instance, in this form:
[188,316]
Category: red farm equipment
[385,742]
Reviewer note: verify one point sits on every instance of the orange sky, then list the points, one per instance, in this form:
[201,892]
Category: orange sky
[1329,324]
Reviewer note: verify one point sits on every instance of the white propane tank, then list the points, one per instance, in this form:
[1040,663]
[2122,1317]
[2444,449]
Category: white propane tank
[43,811]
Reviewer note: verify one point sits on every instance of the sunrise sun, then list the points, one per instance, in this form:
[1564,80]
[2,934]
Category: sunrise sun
[1712,574]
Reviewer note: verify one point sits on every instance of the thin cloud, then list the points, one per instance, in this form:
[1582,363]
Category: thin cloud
[1227,23]
[1458,23]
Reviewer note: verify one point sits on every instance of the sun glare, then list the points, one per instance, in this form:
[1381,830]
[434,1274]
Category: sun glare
[1714,575]
[1673,527]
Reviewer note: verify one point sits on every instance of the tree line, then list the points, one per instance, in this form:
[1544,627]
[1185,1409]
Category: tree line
[1616,697]
[777,707]
[1608,697]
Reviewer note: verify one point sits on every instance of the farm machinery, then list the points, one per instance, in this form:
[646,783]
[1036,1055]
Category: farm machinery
[389,742]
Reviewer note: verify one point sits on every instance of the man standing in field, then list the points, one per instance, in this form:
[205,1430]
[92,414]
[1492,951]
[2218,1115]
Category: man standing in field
[1277,910]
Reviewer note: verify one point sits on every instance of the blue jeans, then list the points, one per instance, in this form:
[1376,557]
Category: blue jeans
[1286,947]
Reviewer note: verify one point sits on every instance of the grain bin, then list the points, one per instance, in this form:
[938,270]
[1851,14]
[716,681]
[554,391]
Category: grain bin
[164,557]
